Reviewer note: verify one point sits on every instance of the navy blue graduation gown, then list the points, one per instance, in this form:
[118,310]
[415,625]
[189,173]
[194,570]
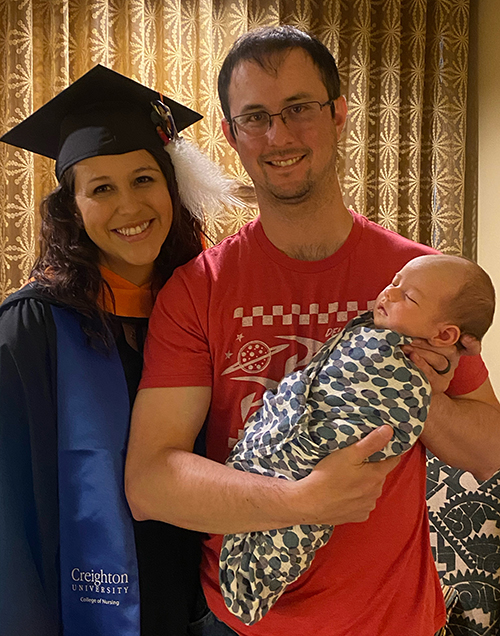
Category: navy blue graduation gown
[30,544]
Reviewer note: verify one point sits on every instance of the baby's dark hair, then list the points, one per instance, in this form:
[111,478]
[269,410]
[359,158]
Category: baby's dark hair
[473,306]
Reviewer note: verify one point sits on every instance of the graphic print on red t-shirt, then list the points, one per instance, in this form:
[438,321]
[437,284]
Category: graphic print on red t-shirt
[282,352]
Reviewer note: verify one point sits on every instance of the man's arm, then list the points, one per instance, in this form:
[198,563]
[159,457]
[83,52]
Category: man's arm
[462,431]
[164,480]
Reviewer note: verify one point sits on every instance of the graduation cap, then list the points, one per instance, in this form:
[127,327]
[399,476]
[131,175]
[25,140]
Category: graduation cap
[102,113]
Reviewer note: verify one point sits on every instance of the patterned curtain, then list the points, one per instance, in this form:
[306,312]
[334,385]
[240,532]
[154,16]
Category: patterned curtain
[403,66]
[403,161]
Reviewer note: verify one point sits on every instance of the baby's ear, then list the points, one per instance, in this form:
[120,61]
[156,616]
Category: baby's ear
[447,336]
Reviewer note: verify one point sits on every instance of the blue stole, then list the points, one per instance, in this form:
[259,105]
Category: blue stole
[99,576]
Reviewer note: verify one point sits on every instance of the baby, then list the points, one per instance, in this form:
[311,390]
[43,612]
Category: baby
[360,379]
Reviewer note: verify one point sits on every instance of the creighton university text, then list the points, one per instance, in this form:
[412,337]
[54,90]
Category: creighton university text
[94,582]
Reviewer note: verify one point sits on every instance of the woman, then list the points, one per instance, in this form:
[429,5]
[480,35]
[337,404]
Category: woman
[72,560]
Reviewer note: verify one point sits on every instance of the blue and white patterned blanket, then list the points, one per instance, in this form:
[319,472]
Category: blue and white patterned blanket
[359,380]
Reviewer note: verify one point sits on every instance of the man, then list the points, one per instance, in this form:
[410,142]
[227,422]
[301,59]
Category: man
[257,306]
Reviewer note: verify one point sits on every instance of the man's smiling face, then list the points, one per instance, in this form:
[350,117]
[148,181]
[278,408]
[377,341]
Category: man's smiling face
[287,163]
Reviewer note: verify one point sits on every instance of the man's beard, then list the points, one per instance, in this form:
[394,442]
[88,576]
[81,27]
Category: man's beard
[288,195]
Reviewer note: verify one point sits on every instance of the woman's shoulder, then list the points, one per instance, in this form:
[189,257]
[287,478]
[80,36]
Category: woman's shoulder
[31,295]
[26,315]
[28,293]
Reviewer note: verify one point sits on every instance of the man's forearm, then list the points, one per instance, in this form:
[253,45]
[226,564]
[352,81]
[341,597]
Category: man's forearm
[464,433]
[196,493]
[184,489]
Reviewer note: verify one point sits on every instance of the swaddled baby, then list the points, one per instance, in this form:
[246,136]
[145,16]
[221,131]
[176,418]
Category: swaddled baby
[360,379]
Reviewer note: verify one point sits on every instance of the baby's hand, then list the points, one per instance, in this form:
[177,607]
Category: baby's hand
[438,363]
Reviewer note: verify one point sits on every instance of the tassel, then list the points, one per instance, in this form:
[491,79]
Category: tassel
[204,190]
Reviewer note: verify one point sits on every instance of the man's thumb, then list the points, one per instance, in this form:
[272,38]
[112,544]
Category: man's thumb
[373,442]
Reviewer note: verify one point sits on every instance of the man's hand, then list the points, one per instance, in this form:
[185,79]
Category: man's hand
[462,431]
[434,361]
[439,363]
[344,487]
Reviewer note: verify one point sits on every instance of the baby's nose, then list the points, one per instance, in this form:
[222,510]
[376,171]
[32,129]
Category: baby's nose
[393,293]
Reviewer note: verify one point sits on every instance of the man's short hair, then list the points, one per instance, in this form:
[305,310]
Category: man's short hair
[264,44]
[473,307]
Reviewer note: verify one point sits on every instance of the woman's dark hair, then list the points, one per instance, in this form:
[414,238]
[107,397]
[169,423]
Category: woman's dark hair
[68,265]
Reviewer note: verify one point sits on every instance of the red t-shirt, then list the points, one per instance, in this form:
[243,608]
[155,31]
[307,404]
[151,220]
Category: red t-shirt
[240,317]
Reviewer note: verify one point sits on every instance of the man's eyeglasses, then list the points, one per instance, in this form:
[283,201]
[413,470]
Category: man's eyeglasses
[257,123]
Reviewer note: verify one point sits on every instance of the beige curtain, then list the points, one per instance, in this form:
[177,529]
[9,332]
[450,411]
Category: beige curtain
[403,66]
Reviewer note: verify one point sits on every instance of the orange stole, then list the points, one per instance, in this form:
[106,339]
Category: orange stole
[129,299]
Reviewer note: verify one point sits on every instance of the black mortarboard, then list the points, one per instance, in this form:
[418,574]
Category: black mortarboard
[102,113]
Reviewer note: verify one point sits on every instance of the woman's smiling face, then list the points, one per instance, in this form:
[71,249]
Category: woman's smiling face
[126,210]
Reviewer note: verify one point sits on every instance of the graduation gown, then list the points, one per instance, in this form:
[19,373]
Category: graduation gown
[30,524]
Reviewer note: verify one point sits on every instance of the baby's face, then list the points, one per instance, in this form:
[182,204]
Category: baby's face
[412,303]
